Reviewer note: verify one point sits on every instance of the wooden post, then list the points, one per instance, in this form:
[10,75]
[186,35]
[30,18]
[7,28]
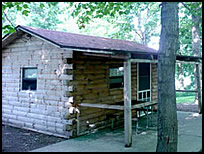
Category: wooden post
[127,104]
[199,88]
[78,123]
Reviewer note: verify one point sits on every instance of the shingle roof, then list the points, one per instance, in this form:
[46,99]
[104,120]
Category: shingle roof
[71,40]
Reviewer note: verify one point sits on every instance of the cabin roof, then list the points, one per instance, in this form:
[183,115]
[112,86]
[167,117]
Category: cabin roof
[89,43]
[86,42]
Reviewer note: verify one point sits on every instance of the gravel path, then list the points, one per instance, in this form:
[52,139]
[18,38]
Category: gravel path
[21,140]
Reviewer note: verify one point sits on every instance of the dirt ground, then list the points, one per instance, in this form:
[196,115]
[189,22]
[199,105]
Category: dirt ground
[187,107]
[21,140]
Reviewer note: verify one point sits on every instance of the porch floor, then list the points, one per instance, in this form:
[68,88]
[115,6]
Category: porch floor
[107,140]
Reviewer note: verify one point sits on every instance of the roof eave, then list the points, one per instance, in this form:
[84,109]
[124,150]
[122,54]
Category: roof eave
[84,49]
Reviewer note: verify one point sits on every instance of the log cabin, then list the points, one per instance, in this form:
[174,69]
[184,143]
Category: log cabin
[65,84]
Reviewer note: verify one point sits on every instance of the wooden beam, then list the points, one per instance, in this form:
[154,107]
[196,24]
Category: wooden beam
[102,106]
[188,58]
[187,62]
[195,91]
[127,104]
[116,56]
[137,106]
[143,61]
[116,107]
[199,88]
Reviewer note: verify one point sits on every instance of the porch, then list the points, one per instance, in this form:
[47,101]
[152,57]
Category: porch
[106,140]
[92,93]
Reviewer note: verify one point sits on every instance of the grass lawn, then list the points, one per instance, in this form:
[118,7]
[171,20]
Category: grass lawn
[185,98]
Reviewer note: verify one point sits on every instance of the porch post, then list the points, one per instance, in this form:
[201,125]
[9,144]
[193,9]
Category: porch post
[127,103]
[199,88]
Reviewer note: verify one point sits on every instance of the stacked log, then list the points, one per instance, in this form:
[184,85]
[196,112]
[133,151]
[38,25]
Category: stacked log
[154,84]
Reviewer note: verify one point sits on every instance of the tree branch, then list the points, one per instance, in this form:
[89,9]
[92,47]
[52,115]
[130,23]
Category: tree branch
[8,19]
[194,10]
[139,36]
[186,6]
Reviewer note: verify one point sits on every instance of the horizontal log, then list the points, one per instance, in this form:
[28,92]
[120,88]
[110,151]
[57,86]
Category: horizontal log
[118,92]
[93,116]
[79,77]
[95,86]
[90,71]
[92,67]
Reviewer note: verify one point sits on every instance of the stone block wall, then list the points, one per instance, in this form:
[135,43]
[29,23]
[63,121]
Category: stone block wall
[43,110]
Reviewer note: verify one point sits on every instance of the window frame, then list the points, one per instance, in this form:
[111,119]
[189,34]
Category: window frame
[146,90]
[116,77]
[29,79]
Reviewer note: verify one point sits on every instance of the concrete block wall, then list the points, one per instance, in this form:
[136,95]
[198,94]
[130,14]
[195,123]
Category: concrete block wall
[43,110]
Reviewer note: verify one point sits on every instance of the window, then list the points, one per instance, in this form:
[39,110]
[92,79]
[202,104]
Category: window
[116,77]
[29,78]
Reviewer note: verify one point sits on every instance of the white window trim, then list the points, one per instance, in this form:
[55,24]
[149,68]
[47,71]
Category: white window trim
[143,91]
[21,80]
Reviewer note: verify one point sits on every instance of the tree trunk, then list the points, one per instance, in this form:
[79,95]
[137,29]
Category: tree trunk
[167,116]
[199,89]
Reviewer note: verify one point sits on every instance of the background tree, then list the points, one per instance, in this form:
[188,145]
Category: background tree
[123,16]
[167,117]
[190,43]
[195,9]
[46,18]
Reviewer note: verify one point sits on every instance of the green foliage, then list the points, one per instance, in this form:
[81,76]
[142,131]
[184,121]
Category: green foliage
[8,29]
[122,16]
[46,18]
[186,10]
[6,6]
[10,11]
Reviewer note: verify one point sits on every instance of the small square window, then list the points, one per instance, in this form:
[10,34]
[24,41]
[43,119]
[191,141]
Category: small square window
[116,77]
[29,78]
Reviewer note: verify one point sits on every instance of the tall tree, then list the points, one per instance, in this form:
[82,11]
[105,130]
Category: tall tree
[195,10]
[168,45]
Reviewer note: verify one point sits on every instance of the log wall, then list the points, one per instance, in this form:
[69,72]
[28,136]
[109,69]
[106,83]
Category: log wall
[91,85]
[42,110]
[154,82]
